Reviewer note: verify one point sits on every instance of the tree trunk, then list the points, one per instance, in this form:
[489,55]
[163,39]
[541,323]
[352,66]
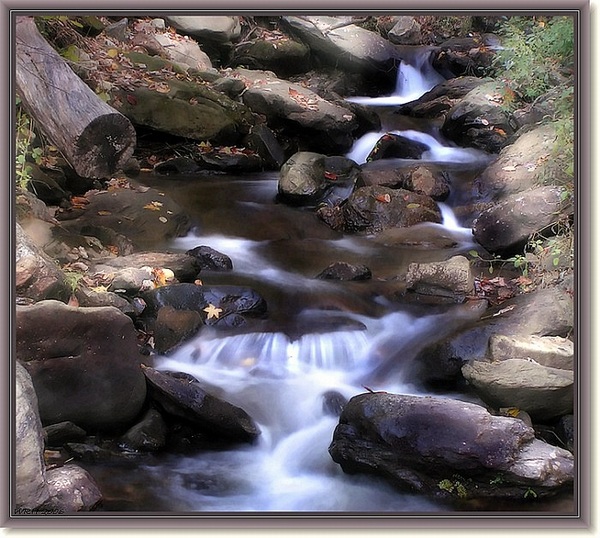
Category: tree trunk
[95,138]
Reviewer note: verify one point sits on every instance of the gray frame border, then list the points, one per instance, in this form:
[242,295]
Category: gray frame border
[585,522]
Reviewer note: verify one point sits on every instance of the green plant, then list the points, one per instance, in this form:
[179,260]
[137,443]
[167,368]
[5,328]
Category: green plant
[529,492]
[454,487]
[26,152]
[72,279]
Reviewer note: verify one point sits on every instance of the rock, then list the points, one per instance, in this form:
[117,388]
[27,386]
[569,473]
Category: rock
[308,178]
[188,401]
[148,435]
[520,166]
[220,29]
[87,297]
[298,112]
[480,119]
[541,391]
[145,217]
[280,54]
[179,166]
[63,432]
[118,30]
[30,208]
[233,301]
[428,444]
[31,489]
[333,403]
[188,110]
[232,162]
[345,271]
[551,351]
[441,98]
[262,140]
[184,52]
[406,31]
[461,56]
[428,179]
[505,227]
[350,47]
[423,236]
[373,209]
[543,107]
[210,259]
[172,327]
[450,278]
[46,185]
[86,368]
[72,489]
[566,431]
[37,277]
[394,146]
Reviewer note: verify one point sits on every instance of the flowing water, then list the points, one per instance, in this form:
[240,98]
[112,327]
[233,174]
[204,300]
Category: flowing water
[322,338]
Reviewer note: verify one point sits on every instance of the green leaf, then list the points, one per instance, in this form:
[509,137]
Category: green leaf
[474,253]
[555,261]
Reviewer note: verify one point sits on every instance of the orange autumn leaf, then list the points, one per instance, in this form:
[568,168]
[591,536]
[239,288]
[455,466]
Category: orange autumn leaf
[385,198]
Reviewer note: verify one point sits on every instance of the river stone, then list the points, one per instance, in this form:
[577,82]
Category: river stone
[30,480]
[183,52]
[210,259]
[188,401]
[37,277]
[373,209]
[551,351]
[422,443]
[87,297]
[63,432]
[406,31]
[220,29]
[480,119]
[520,166]
[505,227]
[179,166]
[541,391]
[452,277]
[345,271]
[84,362]
[172,327]
[333,403]
[394,146]
[148,435]
[72,489]
[263,141]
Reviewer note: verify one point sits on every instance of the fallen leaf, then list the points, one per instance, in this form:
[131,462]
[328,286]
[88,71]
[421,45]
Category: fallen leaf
[485,122]
[212,311]
[104,213]
[509,168]
[112,53]
[131,99]
[153,206]
[385,198]
[330,175]
[412,206]
[163,219]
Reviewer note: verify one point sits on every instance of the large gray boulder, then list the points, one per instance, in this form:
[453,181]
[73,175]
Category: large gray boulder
[30,480]
[450,278]
[84,362]
[552,351]
[73,489]
[406,31]
[220,29]
[447,448]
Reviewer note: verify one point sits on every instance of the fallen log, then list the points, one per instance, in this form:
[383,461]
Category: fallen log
[95,138]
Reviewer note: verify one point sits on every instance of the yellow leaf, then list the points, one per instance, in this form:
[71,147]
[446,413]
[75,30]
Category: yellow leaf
[112,53]
[103,213]
[413,206]
[212,311]
[153,206]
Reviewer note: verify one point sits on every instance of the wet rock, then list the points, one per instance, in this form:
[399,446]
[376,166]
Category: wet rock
[566,431]
[298,113]
[172,327]
[212,415]
[520,166]
[505,227]
[406,31]
[441,98]
[31,489]
[541,391]
[179,166]
[308,178]
[63,432]
[148,435]
[373,209]
[481,119]
[88,452]
[219,28]
[461,56]
[333,403]
[85,369]
[423,236]
[144,216]
[231,162]
[262,140]
[91,298]
[450,278]
[210,259]
[72,489]
[391,146]
[345,271]
[551,351]
[446,448]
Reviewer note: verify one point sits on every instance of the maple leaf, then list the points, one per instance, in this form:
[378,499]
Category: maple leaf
[212,311]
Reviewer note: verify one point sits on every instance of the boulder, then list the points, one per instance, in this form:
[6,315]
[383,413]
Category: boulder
[447,448]
[505,227]
[184,52]
[185,400]
[345,271]
[550,351]
[148,435]
[373,209]
[308,178]
[145,216]
[520,166]
[221,29]
[172,327]
[481,119]
[263,141]
[37,276]
[395,146]
[84,362]
[63,432]
[210,259]
[449,278]
[72,489]
[461,56]
[406,31]
[298,112]
[541,391]
[31,488]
